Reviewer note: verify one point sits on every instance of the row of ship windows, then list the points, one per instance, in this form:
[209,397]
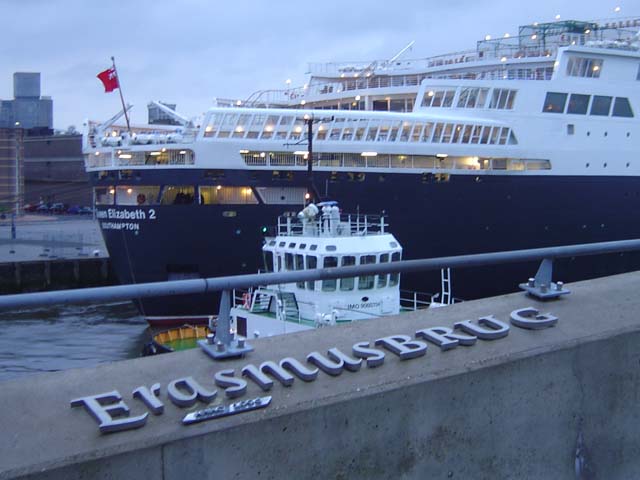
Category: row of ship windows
[174,195]
[501,98]
[297,262]
[162,156]
[555,102]
[289,127]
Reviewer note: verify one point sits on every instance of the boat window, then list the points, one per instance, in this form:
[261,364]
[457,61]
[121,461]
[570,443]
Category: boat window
[279,257]
[578,104]
[330,284]
[554,102]
[439,98]
[312,262]
[600,105]
[288,262]
[502,98]
[299,265]
[272,243]
[313,247]
[282,244]
[177,195]
[268,261]
[225,195]
[382,279]
[302,246]
[437,132]
[584,67]
[621,108]
[137,195]
[292,245]
[475,136]
[394,278]
[104,195]
[366,282]
[485,135]
[330,248]
[448,130]
[347,284]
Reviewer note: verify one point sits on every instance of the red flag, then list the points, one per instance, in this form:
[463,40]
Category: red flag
[110,79]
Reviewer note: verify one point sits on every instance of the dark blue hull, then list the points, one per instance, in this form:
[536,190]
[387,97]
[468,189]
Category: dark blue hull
[431,218]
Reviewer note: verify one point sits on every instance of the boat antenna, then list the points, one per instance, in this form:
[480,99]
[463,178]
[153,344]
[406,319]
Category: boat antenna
[126,115]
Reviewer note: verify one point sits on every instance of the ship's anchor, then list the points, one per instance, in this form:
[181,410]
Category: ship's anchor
[541,286]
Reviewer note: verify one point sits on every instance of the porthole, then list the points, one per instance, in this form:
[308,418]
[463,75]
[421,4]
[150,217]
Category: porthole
[588,133]
[605,165]
[330,248]
[628,164]
[365,299]
[587,165]
[605,134]
[628,134]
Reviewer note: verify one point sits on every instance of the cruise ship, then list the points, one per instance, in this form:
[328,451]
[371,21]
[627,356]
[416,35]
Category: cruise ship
[526,141]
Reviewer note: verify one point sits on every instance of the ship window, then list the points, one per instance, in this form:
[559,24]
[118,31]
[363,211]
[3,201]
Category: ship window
[302,246]
[448,130]
[299,265]
[347,284]
[475,136]
[137,195]
[584,67]
[268,261]
[330,248]
[494,135]
[313,247]
[288,261]
[312,263]
[578,104]
[330,284]
[394,278]
[485,135]
[554,102]
[437,132]
[177,195]
[366,282]
[382,279]
[438,98]
[600,105]
[104,195]
[502,98]
[282,244]
[621,108]
[224,195]
[292,245]
[457,132]
[279,257]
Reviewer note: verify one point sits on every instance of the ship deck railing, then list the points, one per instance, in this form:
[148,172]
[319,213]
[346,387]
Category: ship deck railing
[344,225]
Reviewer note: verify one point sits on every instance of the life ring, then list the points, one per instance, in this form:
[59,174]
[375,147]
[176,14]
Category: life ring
[141,198]
[246,301]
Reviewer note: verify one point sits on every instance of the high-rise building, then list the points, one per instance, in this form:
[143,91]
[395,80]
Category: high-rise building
[11,169]
[28,109]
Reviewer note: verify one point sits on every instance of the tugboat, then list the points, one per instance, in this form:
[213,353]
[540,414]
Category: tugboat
[321,236]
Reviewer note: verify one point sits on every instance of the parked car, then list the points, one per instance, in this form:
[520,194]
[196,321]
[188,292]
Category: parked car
[30,207]
[58,208]
[74,209]
[85,211]
[44,208]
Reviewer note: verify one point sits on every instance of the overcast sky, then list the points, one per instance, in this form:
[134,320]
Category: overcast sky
[190,51]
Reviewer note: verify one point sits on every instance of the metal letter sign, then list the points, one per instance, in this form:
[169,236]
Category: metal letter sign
[112,414]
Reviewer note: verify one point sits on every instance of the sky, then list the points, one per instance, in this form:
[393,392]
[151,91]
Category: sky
[189,52]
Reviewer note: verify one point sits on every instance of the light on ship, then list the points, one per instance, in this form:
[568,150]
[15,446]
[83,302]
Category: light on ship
[487,37]
[129,191]
[558,17]
[369,154]
[244,151]
[617,9]
[357,98]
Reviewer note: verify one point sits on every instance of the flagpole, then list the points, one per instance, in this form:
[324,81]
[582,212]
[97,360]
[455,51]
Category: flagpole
[126,115]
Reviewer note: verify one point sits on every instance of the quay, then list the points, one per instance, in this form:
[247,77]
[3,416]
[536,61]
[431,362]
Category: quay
[52,252]
[557,402]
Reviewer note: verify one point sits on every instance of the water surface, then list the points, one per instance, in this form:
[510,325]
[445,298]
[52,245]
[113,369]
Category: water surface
[58,338]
